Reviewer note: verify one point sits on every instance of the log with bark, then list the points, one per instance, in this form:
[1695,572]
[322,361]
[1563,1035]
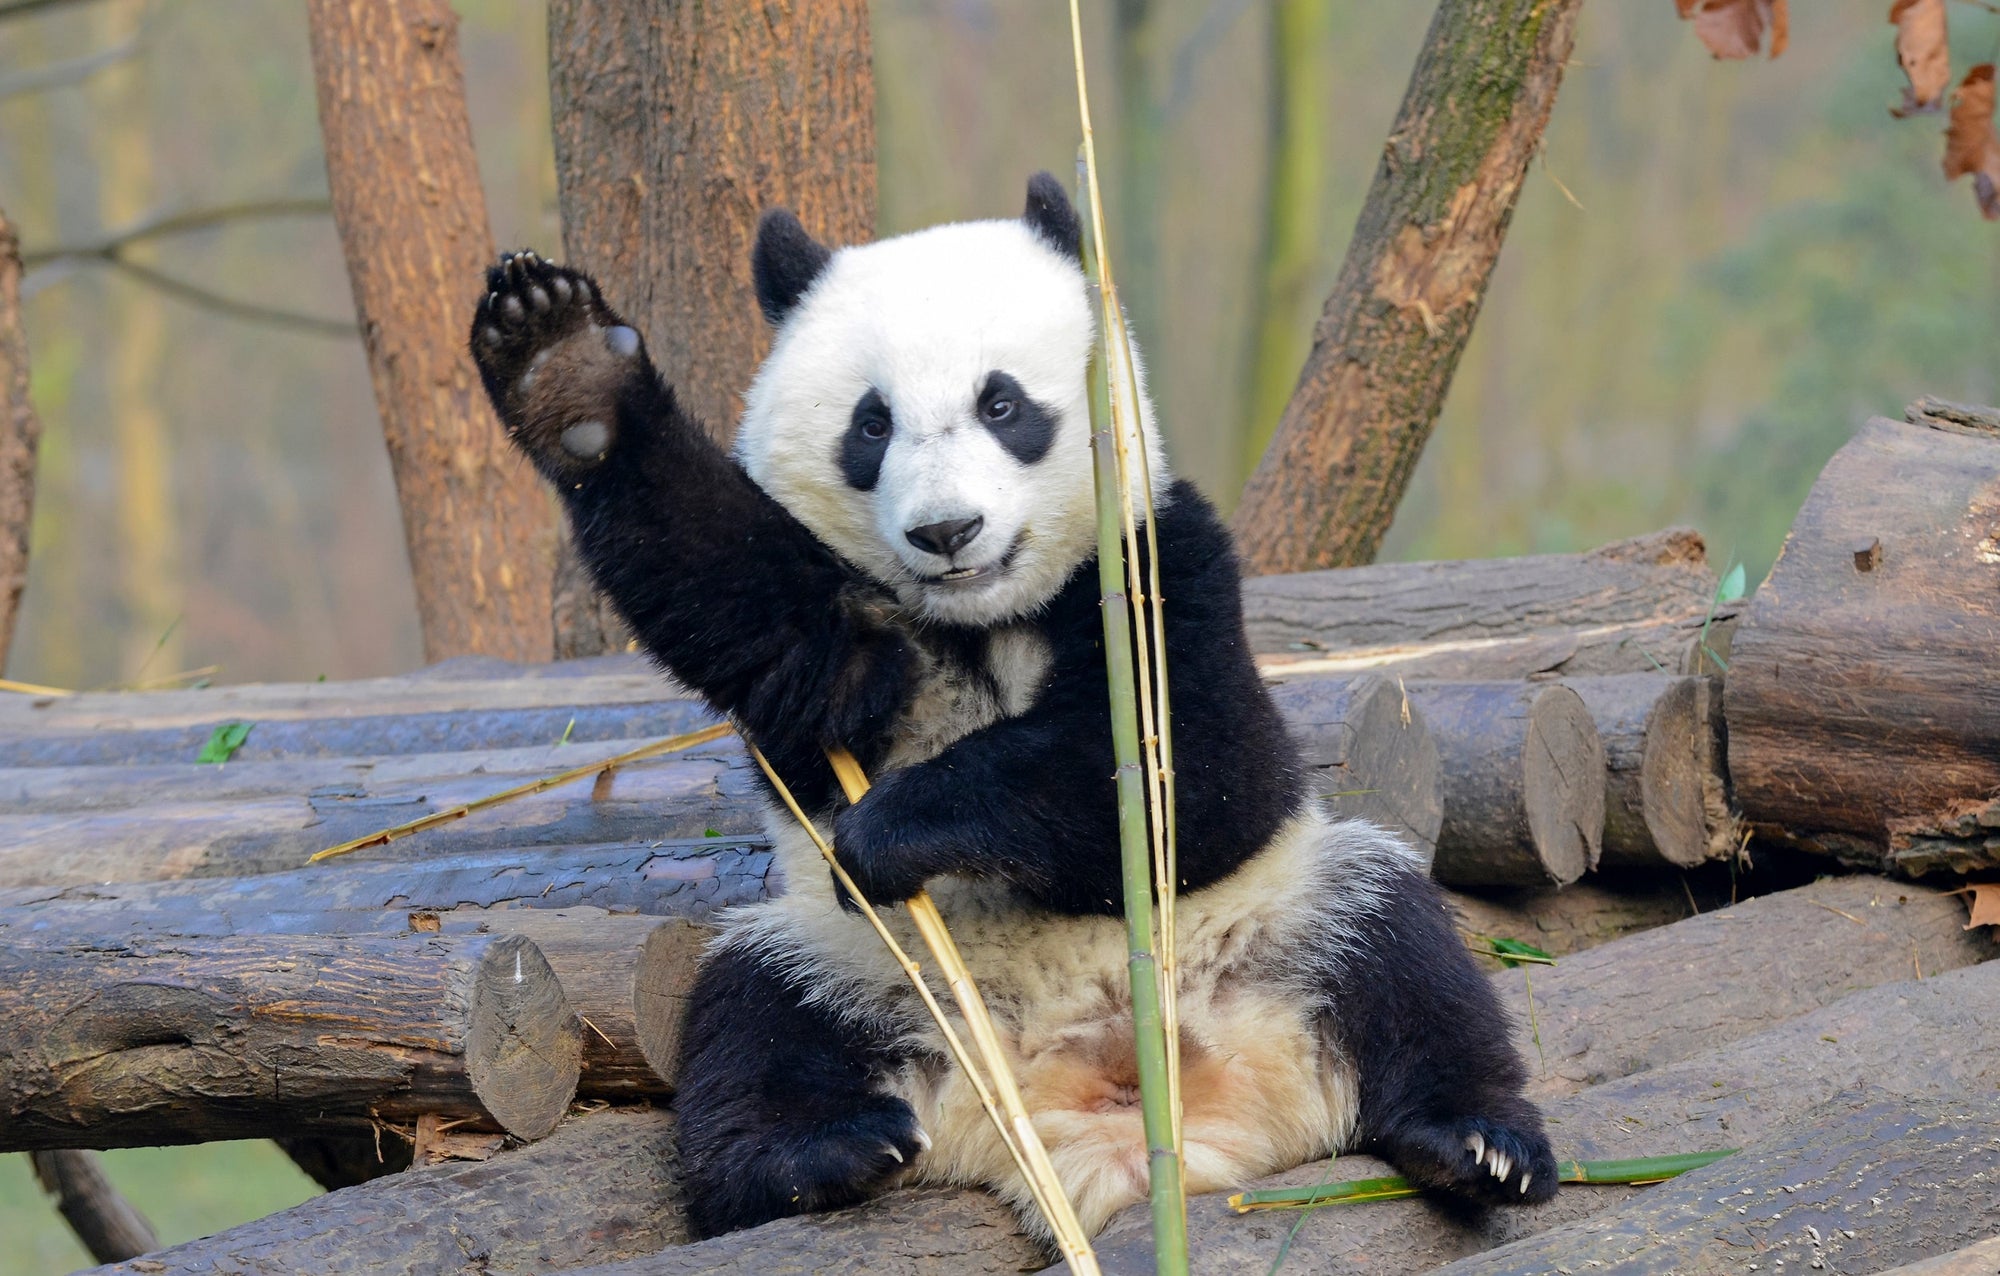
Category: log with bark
[142,1042]
[1524,782]
[599,1189]
[1666,797]
[1979,1259]
[1864,719]
[1867,1180]
[412,220]
[1369,754]
[1416,269]
[1632,606]
[20,432]
[108,1226]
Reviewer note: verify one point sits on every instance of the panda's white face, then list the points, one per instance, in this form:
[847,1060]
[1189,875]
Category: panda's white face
[924,411]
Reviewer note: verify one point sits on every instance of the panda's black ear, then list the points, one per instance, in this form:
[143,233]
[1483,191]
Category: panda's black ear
[784,263]
[1051,217]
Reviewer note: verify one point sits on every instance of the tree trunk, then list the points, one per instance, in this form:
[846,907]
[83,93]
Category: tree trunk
[676,126]
[412,219]
[1666,798]
[1866,1180]
[1403,307]
[1523,782]
[1368,754]
[177,1041]
[1629,607]
[20,432]
[601,1188]
[1864,717]
[107,1224]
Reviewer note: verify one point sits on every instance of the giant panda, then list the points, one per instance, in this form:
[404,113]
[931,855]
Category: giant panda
[899,558]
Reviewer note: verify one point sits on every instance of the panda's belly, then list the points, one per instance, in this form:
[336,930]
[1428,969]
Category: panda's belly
[1261,1089]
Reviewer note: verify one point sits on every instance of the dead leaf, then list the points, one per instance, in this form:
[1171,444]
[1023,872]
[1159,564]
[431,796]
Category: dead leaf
[1970,144]
[1734,29]
[1985,904]
[1924,51]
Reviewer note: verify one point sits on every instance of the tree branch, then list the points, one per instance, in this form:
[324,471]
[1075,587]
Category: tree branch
[161,224]
[196,295]
[58,75]
[109,1226]
[21,8]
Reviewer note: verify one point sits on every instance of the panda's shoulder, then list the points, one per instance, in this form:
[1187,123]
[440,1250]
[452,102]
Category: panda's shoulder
[1198,563]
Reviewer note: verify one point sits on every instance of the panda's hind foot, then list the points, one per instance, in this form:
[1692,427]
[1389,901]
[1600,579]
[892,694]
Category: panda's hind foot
[798,1169]
[1478,1158]
[554,359]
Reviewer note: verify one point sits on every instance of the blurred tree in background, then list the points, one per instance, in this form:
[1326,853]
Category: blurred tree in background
[1716,270]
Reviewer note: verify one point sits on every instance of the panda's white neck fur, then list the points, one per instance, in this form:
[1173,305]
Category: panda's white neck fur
[923,319]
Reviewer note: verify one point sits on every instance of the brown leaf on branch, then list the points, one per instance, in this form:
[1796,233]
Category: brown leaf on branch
[1970,144]
[1924,52]
[1734,29]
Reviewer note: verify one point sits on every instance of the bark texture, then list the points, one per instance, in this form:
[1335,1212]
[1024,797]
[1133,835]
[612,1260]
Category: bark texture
[1523,782]
[1403,306]
[1666,792]
[1863,715]
[109,1226]
[144,1042]
[412,219]
[1629,607]
[1867,1180]
[601,1188]
[20,432]
[1368,754]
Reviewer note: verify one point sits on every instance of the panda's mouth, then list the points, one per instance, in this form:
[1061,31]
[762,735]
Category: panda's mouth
[961,576]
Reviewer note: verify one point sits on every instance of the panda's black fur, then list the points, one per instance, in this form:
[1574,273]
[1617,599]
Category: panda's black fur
[789,1100]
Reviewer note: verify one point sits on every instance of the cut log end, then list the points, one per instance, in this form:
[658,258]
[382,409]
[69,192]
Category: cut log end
[524,1047]
[1666,801]
[1562,785]
[660,990]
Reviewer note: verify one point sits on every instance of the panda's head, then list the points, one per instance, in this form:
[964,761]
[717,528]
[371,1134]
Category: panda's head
[924,409]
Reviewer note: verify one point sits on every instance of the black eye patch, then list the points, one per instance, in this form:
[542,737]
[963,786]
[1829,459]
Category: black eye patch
[866,442]
[1024,427]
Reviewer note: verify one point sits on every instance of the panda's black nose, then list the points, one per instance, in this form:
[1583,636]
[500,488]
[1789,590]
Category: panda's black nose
[946,538]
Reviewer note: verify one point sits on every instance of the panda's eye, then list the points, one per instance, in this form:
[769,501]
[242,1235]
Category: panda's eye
[1000,408]
[875,429]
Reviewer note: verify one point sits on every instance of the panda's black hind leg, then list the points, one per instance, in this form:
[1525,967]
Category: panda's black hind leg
[1441,1083]
[779,1108]
[557,362]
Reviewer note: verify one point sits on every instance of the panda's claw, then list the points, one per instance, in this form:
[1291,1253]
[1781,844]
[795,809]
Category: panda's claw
[890,1148]
[1475,1143]
[923,1139]
[1525,1180]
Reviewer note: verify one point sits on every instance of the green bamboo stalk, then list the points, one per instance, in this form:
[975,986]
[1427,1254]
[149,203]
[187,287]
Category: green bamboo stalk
[1640,1170]
[1114,514]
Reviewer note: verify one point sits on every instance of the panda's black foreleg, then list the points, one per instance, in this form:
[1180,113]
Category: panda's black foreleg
[1439,1076]
[716,579]
[779,1108]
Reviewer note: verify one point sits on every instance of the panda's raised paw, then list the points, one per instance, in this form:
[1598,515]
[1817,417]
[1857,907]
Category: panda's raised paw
[552,356]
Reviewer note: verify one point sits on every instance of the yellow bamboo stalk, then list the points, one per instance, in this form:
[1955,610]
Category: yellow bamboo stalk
[672,744]
[1017,1130]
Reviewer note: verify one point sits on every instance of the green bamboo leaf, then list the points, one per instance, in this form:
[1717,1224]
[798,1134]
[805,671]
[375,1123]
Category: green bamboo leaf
[1645,1169]
[223,742]
[1733,587]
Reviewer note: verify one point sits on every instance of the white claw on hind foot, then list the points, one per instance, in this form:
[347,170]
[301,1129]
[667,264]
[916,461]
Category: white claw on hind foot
[890,1148]
[1525,1180]
[624,341]
[1476,1144]
[587,440]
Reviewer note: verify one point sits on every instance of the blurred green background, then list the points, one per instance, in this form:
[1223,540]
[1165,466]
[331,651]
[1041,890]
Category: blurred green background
[1715,273]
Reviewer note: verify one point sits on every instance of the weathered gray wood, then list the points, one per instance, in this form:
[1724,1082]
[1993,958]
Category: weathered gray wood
[1368,753]
[1864,717]
[142,1042]
[1666,797]
[1867,1180]
[1628,607]
[1523,782]
[1935,1038]
[108,1226]
[601,1188]
[1980,1259]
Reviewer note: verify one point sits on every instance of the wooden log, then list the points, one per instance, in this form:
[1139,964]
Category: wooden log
[1368,752]
[181,1041]
[1864,1181]
[1936,1038]
[108,1226]
[1523,782]
[1628,607]
[601,1188]
[1863,717]
[1666,795]
[1979,1259]
[1570,919]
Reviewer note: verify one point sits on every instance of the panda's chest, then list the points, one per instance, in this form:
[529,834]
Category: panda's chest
[966,684]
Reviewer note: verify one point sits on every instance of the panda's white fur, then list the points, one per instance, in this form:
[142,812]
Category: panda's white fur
[924,318]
